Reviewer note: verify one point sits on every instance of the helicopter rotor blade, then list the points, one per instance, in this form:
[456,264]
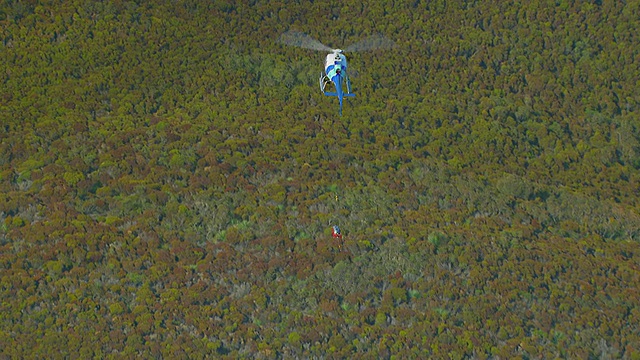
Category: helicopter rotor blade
[373,42]
[300,39]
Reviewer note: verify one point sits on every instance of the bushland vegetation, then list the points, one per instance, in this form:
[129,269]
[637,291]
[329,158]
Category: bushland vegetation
[169,175]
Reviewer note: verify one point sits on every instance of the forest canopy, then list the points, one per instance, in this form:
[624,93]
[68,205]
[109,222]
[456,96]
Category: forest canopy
[169,176]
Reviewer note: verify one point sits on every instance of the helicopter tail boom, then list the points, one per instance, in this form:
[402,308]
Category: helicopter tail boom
[339,95]
[333,93]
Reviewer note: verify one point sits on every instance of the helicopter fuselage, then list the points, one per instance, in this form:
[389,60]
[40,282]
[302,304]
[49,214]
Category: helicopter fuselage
[335,64]
[335,68]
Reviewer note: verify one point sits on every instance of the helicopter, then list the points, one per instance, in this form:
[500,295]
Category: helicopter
[335,65]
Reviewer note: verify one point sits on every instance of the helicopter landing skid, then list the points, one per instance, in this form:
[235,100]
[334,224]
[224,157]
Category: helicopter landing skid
[323,82]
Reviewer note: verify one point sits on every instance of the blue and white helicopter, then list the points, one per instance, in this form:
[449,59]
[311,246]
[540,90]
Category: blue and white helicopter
[335,65]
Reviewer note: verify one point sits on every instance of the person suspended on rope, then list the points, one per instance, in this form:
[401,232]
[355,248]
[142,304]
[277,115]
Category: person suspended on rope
[336,232]
[337,235]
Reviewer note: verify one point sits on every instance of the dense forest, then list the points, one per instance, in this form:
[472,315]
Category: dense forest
[169,176]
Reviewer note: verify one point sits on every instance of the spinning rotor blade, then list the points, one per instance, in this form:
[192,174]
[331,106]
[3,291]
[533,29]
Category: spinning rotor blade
[371,43]
[300,39]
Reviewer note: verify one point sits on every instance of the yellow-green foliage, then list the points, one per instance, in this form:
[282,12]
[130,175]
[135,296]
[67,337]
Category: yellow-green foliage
[169,174]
